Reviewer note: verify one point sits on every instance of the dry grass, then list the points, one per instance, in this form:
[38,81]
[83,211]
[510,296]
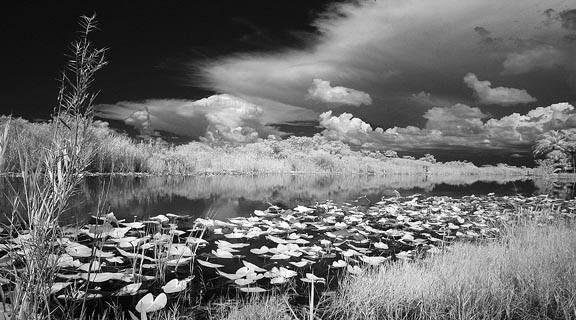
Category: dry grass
[528,274]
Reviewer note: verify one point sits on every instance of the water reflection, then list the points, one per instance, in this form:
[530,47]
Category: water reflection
[229,196]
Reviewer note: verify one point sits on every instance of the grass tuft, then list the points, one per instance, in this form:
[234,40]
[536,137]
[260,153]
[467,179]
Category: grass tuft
[527,274]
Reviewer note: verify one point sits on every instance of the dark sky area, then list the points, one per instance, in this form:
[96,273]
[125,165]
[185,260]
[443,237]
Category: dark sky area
[476,80]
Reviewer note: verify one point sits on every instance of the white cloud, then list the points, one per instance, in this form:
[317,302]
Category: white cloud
[217,117]
[322,91]
[392,48]
[140,120]
[545,57]
[499,95]
[456,126]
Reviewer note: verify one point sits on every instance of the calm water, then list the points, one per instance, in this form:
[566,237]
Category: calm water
[229,196]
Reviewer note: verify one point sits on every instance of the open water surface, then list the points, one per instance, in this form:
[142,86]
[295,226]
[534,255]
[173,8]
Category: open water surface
[231,196]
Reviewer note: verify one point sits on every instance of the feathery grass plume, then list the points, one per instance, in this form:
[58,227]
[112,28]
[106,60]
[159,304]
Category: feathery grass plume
[50,176]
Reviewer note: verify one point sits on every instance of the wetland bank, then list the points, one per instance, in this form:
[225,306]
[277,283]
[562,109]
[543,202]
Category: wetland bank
[299,228]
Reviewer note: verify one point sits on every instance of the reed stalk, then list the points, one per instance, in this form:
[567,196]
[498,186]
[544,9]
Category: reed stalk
[50,179]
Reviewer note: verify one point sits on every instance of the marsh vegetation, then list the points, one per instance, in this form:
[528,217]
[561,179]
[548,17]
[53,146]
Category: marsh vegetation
[426,257]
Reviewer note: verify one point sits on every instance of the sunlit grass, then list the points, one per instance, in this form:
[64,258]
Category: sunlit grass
[527,274]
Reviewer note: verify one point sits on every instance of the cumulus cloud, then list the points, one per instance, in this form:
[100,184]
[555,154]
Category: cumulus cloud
[140,120]
[218,117]
[545,57]
[456,126]
[499,95]
[393,48]
[322,91]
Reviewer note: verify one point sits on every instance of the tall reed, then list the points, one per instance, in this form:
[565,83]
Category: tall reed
[50,177]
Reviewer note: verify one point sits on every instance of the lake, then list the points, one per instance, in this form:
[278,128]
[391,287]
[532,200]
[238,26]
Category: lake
[228,196]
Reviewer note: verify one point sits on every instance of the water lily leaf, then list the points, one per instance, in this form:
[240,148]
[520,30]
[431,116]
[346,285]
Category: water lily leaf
[262,250]
[404,255]
[223,254]
[381,245]
[374,261]
[92,267]
[194,240]
[176,285]
[133,225]
[339,264]
[66,260]
[178,262]
[354,269]
[115,260]
[301,263]
[57,286]
[280,256]
[161,218]
[302,209]
[234,235]
[226,244]
[252,266]
[103,254]
[253,289]
[209,264]
[178,249]
[105,276]
[150,304]
[311,278]
[128,290]
[280,272]
[78,295]
[118,233]
[78,250]
[278,280]
[276,239]
[228,275]
[244,282]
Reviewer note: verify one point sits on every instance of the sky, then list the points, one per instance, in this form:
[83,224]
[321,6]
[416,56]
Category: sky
[477,79]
